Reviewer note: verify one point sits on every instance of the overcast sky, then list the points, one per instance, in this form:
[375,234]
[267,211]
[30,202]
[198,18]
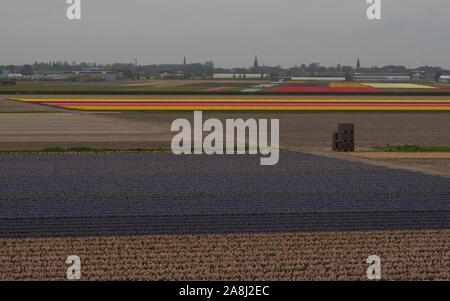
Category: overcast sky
[228,32]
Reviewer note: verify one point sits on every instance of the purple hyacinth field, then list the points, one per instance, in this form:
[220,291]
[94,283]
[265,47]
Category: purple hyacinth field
[80,195]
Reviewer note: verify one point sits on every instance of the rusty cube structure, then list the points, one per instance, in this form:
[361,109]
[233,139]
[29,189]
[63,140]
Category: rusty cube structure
[344,138]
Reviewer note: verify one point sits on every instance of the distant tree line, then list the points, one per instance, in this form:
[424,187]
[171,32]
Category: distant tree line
[207,69]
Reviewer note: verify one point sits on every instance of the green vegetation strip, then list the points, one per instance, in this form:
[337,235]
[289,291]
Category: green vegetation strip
[31,112]
[183,90]
[412,148]
[83,149]
[270,111]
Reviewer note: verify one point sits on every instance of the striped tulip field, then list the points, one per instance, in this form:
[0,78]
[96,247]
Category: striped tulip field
[245,104]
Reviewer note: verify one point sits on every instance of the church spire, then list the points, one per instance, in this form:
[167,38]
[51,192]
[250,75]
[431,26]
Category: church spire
[255,63]
[358,64]
[184,60]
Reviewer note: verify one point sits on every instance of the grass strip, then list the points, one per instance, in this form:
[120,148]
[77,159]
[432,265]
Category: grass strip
[412,148]
[83,90]
[83,149]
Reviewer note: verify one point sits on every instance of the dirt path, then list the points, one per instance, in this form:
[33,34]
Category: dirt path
[430,166]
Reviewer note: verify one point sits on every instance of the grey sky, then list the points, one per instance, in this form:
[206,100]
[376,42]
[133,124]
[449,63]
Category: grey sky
[228,32]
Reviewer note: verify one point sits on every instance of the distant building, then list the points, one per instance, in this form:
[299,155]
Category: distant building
[171,75]
[79,75]
[239,76]
[26,70]
[102,75]
[381,77]
[444,79]
[15,75]
[4,73]
[417,76]
[318,78]
[426,76]
[358,64]
[255,63]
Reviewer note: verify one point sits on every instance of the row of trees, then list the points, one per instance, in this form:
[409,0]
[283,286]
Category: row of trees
[207,69]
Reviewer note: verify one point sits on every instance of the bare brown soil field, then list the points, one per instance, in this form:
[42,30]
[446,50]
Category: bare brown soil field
[412,255]
[309,132]
[40,130]
[297,129]
[10,106]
